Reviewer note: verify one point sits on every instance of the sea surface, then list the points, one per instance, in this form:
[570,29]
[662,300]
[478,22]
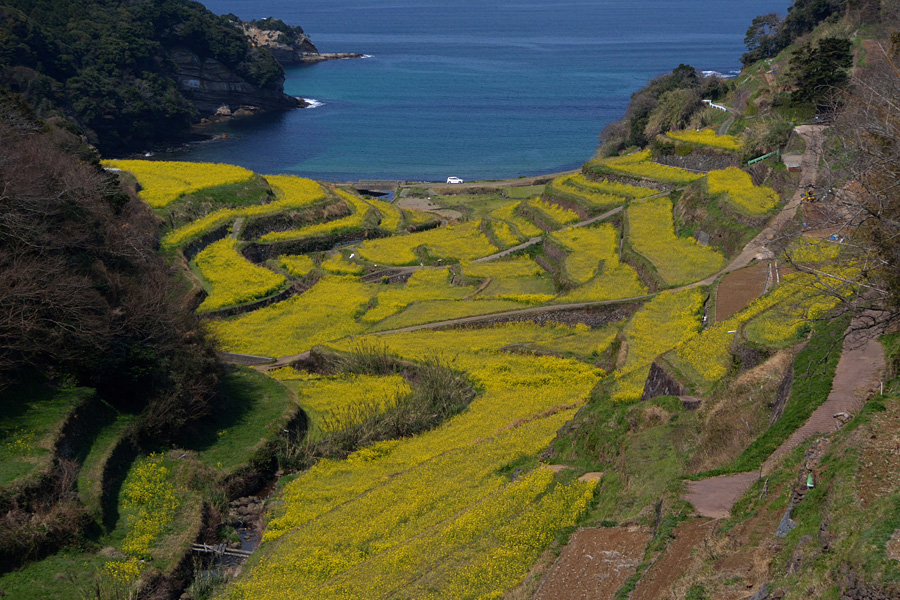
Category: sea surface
[472,88]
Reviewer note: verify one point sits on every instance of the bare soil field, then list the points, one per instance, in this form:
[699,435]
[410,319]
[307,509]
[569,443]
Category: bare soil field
[740,288]
[658,580]
[594,564]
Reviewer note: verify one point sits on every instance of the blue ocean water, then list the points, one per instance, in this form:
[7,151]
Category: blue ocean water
[480,90]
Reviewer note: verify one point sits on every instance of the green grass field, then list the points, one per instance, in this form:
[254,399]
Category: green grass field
[31,416]
[253,409]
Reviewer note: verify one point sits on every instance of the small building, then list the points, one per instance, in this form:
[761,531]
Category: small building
[792,161]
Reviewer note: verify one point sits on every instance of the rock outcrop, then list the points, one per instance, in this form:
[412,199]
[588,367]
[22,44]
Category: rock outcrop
[215,89]
[289,45]
[660,382]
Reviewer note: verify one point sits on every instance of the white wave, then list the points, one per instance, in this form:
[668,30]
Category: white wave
[313,103]
[729,75]
[367,56]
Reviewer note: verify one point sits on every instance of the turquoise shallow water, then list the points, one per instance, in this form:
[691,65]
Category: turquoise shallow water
[470,88]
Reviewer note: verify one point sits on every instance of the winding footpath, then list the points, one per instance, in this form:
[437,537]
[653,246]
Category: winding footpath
[858,372]
[857,377]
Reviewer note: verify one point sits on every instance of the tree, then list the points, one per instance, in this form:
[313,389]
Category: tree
[761,39]
[83,291]
[820,72]
[859,198]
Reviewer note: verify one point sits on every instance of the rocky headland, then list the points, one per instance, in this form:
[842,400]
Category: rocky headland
[289,45]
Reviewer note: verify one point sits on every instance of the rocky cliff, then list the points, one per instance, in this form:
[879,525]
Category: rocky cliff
[213,88]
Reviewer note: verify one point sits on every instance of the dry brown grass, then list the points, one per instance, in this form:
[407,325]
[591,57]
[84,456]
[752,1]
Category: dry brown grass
[774,368]
[653,415]
[735,416]
[727,566]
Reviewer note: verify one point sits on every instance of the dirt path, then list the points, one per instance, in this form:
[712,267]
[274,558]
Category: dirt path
[814,137]
[594,564]
[715,496]
[857,377]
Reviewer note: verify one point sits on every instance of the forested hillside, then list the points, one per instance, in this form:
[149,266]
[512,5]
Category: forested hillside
[130,72]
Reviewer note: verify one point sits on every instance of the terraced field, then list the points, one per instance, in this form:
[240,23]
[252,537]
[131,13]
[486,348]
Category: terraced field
[465,508]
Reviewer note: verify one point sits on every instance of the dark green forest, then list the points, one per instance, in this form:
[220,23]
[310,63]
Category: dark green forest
[106,64]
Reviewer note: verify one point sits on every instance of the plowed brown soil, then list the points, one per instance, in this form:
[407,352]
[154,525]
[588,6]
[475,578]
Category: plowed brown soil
[594,564]
[740,288]
[655,583]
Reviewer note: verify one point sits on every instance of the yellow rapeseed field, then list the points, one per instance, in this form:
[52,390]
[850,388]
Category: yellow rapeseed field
[503,232]
[339,399]
[163,182]
[606,187]
[431,311]
[556,214]
[639,165]
[234,279]
[150,502]
[325,312]
[424,284]
[292,192]
[509,213]
[770,320]
[358,208]
[519,279]
[391,216]
[588,247]
[660,325]
[593,193]
[503,269]
[737,186]
[677,260]
[708,137]
[464,241]
[298,265]
[339,265]
[434,504]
